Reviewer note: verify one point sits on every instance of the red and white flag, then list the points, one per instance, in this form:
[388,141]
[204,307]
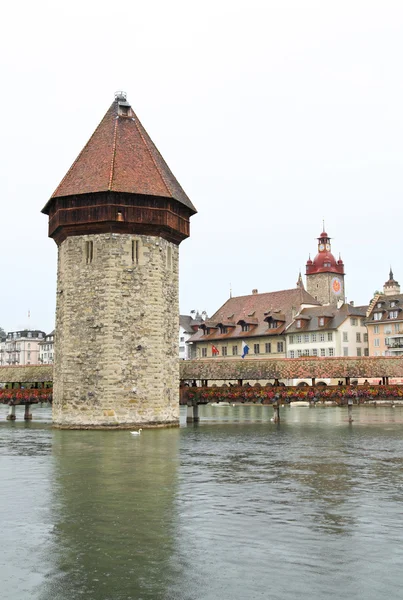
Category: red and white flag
[215,351]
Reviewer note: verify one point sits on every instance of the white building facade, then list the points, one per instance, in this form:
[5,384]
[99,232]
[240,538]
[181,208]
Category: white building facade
[46,349]
[327,332]
[187,327]
[21,347]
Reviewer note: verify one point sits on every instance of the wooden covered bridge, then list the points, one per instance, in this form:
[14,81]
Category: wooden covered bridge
[25,386]
[33,384]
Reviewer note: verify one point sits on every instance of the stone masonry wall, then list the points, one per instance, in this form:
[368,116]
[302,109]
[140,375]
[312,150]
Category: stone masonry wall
[319,286]
[117,322]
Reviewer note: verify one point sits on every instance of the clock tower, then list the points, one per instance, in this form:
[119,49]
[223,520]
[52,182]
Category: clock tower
[325,274]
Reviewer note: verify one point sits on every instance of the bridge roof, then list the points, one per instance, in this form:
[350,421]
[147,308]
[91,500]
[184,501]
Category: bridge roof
[29,374]
[291,368]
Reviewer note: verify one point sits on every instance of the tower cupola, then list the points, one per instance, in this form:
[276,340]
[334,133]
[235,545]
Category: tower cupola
[391,286]
[324,261]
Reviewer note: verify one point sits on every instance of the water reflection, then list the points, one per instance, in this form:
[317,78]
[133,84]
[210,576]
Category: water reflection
[235,508]
[113,515]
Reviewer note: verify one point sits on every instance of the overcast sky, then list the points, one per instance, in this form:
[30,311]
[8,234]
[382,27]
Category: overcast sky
[273,115]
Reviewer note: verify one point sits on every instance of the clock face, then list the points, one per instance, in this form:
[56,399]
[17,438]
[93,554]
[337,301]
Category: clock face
[321,247]
[328,247]
[336,286]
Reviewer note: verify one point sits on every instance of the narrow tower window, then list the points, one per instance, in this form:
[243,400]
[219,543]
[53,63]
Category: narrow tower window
[89,252]
[169,258]
[135,252]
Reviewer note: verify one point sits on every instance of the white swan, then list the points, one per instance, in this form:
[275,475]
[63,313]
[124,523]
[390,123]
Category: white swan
[136,432]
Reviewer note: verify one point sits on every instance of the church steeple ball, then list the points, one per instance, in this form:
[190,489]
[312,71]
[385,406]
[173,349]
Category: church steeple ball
[391,286]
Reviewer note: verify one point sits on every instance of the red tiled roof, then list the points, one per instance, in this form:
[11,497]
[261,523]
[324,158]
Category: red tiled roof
[259,304]
[121,157]
[333,318]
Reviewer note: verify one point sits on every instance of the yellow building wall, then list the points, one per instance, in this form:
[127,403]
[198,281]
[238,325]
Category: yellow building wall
[229,343]
[379,332]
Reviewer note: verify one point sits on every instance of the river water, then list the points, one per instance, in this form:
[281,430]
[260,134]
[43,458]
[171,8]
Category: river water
[235,508]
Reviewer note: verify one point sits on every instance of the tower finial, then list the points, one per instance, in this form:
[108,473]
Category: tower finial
[230,290]
[390,274]
[323,224]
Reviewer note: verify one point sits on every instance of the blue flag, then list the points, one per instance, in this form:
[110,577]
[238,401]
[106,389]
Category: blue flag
[245,349]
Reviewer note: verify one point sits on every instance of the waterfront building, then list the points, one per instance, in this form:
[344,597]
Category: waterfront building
[257,322]
[118,217]
[21,347]
[188,325]
[3,352]
[325,274]
[46,349]
[328,331]
[385,321]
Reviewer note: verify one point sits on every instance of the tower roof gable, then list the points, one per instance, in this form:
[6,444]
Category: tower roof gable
[121,157]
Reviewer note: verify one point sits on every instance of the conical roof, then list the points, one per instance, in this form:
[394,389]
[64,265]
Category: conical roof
[121,157]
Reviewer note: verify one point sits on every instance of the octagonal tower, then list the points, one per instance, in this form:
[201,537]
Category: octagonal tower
[118,217]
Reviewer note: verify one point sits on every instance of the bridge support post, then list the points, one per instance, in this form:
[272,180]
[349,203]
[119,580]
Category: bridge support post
[192,414]
[350,410]
[240,382]
[11,413]
[27,414]
[313,381]
[276,415]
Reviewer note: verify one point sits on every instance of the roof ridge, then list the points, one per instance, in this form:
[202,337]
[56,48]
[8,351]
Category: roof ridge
[113,153]
[152,157]
[265,293]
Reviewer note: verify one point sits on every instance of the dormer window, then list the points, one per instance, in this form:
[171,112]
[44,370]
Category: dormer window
[379,305]
[245,326]
[393,314]
[393,303]
[321,321]
[377,316]
[223,329]
[298,324]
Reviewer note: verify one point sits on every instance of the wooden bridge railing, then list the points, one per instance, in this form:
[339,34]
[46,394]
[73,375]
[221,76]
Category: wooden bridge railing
[269,395]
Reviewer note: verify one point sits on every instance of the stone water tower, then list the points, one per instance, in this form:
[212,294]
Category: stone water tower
[118,217]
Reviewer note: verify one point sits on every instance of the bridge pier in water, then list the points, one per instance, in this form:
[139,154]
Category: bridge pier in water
[11,413]
[27,413]
[192,413]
